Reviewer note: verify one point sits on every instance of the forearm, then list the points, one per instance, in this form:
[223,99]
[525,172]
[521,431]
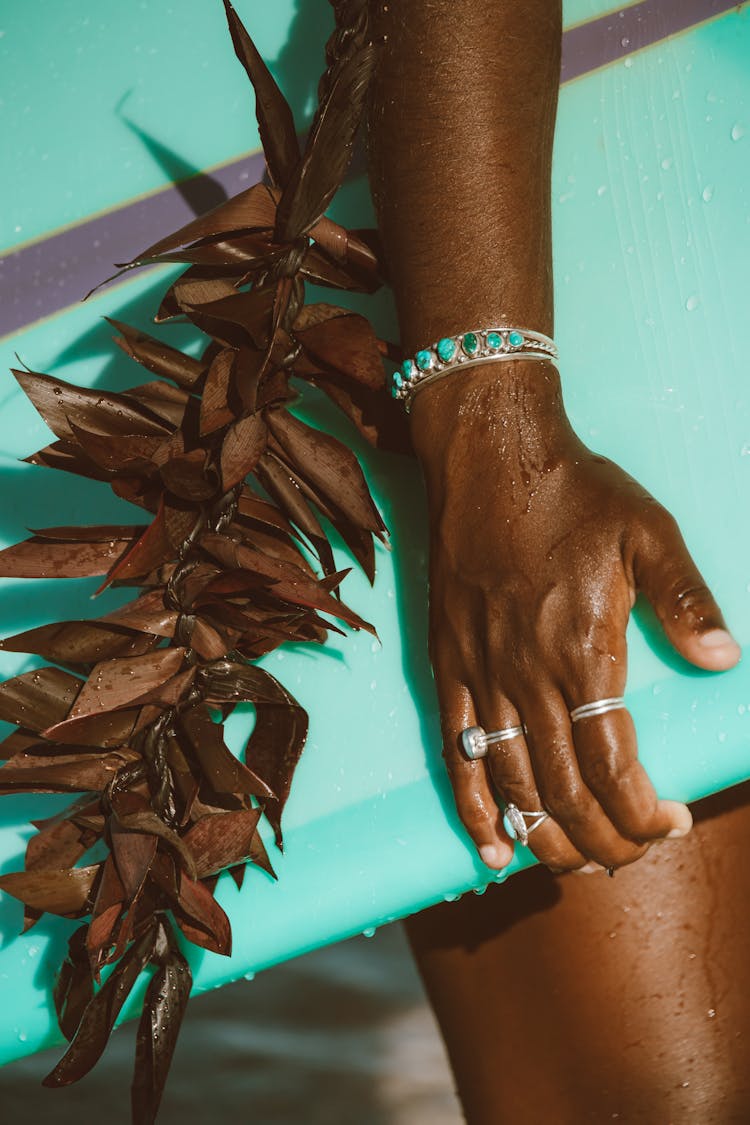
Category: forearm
[461,128]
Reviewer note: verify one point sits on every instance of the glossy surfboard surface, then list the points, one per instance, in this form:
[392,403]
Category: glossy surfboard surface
[106,107]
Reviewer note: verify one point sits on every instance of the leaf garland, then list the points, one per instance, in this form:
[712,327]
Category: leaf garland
[125,713]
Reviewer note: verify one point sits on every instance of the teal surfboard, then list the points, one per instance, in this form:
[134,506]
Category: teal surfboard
[105,112]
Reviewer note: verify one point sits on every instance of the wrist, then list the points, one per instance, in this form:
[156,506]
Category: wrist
[493,406]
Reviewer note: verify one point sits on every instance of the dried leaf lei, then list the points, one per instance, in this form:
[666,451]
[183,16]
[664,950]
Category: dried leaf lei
[123,715]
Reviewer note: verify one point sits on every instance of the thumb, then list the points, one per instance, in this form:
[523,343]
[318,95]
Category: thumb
[667,575]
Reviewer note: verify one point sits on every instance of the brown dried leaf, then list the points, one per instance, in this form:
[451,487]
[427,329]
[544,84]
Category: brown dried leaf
[213,928]
[64,892]
[254,209]
[96,410]
[328,151]
[114,684]
[346,344]
[241,450]
[100,1014]
[38,698]
[275,122]
[330,467]
[79,642]
[291,584]
[273,750]
[224,772]
[222,839]
[46,558]
[158,357]
[215,411]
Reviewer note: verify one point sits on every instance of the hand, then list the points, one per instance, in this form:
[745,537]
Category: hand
[538,548]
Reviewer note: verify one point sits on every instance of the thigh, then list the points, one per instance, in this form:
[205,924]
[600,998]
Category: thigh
[580,998]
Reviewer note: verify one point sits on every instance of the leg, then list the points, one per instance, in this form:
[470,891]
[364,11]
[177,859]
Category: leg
[580,998]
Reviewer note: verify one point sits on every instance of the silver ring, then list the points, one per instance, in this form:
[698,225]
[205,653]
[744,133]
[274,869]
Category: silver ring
[520,830]
[597,707]
[475,740]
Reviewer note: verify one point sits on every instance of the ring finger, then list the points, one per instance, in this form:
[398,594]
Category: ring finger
[512,775]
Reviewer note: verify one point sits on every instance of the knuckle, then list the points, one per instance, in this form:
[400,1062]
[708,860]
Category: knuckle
[690,601]
[603,771]
[566,800]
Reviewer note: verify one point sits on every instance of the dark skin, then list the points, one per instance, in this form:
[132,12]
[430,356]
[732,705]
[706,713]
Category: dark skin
[538,545]
[560,999]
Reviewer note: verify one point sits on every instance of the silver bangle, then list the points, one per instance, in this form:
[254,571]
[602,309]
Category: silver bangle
[457,353]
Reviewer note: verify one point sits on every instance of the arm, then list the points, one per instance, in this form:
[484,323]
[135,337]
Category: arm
[538,546]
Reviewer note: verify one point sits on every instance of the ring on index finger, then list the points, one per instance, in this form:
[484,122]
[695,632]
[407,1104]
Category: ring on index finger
[475,741]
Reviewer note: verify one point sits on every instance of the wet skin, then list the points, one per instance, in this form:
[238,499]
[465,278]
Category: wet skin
[537,544]
[538,547]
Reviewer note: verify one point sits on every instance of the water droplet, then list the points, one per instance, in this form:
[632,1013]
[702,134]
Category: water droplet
[481,890]
[722,736]
[737,132]
[249,976]
[628,63]
[684,1084]
[613,933]
[625,42]
[741,709]
[711,1013]
[708,193]
[602,190]
[22,1036]
[692,303]
[666,163]
[450,898]
[369,932]
[745,452]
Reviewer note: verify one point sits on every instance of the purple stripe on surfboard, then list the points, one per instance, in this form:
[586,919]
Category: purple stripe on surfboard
[618,34]
[55,272]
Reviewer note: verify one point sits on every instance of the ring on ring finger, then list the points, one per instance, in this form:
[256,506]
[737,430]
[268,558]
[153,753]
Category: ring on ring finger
[515,822]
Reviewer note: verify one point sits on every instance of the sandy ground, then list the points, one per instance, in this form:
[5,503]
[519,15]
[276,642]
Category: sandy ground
[342,1036]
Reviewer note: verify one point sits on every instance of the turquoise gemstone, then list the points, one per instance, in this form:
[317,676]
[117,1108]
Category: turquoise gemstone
[424,360]
[470,344]
[446,349]
[515,339]
[494,341]
[398,378]
[407,368]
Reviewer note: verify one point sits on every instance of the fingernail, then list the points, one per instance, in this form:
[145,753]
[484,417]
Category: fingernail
[717,638]
[675,833]
[587,869]
[492,856]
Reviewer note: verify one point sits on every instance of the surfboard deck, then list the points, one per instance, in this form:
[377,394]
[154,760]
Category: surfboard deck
[651,244]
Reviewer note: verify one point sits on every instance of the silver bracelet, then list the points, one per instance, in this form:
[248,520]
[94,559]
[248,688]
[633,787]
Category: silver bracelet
[456,353]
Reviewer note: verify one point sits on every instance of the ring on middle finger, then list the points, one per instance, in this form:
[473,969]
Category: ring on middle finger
[476,740]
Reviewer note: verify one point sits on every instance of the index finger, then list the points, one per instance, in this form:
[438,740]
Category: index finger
[607,750]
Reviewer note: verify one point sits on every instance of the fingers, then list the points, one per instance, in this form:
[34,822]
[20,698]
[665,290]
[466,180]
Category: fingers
[607,753]
[564,789]
[665,572]
[512,774]
[473,795]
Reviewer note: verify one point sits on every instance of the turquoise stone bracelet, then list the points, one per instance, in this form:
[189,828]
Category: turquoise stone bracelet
[454,353]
